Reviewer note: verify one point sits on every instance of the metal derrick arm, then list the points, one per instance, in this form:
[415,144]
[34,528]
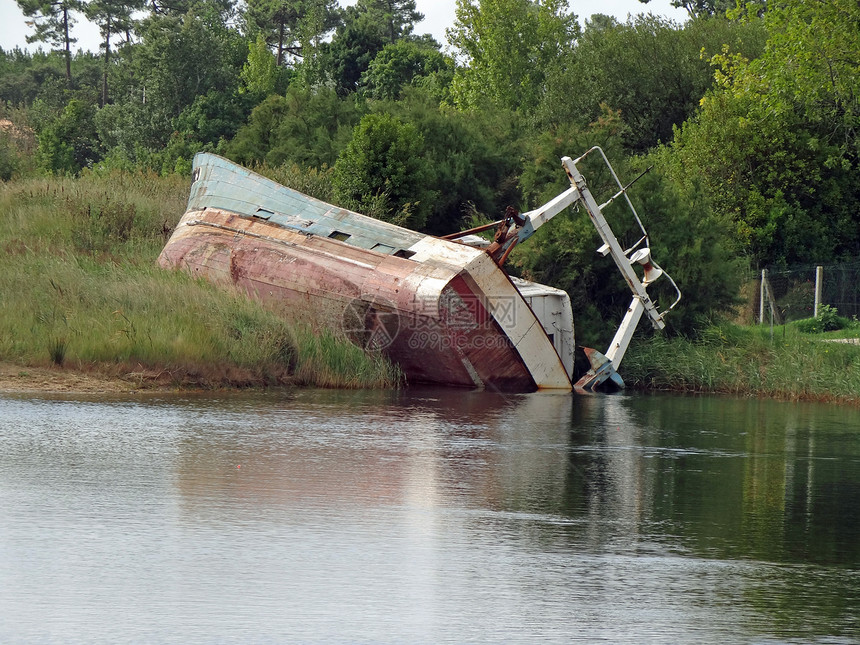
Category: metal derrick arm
[516,228]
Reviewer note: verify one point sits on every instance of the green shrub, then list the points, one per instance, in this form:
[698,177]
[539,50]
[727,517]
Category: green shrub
[828,319]
[381,172]
[8,157]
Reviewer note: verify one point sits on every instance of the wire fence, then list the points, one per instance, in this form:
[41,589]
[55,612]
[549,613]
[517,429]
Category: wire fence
[793,290]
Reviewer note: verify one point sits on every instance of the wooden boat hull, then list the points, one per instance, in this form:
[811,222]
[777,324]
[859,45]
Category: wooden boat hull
[446,313]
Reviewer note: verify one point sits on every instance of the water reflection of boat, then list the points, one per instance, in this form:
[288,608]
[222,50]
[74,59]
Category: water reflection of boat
[443,309]
[422,446]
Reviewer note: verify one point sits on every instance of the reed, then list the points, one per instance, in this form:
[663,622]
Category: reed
[751,361]
[80,288]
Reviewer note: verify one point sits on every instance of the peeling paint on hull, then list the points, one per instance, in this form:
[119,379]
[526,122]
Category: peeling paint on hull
[444,312]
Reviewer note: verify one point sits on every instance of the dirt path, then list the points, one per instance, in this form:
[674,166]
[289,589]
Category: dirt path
[14,378]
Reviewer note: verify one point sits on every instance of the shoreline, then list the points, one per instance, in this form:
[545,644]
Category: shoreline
[27,379]
[19,379]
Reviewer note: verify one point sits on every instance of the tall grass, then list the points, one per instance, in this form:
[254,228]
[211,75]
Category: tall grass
[749,361]
[80,288]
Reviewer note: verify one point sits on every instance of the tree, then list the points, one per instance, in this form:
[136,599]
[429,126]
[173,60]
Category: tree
[68,142]
[356,43]
[180,57]
[365,30]
[398,16]
[381,173]
[650,69]
[260,72]
[702,8]
[113,17]
[812,64]
[181,7]
[312,30]
[305,127]
[25,76]
[282,22]
[53,20]
[776,144]
[506,49]
[214,116]
[471,159]
[183,63]
[399,65]
[255,139]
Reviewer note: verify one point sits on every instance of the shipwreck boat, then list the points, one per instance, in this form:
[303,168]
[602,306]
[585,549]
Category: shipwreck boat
[443,309]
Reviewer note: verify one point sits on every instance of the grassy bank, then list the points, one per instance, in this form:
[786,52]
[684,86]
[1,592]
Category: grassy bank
[787,364]
[80,290]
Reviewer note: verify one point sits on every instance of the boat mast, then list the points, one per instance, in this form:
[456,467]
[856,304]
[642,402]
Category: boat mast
[516,228]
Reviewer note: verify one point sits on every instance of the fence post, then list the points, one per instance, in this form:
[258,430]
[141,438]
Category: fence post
[761,297]
[819,278]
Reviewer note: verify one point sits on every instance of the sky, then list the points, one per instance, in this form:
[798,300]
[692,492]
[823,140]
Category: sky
[438,15]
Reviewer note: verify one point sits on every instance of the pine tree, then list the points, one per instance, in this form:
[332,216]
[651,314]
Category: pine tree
[113,17]
[53,21]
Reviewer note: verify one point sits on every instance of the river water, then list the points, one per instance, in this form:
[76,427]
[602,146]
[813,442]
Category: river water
[428,516]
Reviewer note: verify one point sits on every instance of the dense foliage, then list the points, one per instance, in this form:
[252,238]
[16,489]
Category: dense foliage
[775,141]
[748,113]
